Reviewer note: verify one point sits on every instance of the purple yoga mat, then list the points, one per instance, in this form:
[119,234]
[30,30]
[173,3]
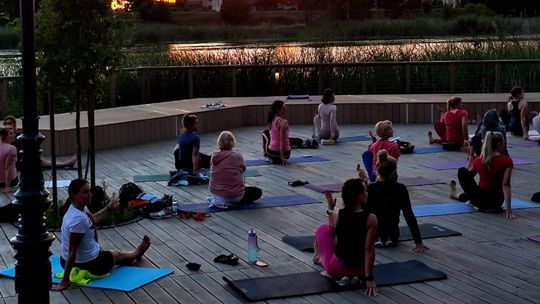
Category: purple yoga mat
[462,163]
[524,144]
[417,181]
[321,188]
[535,238]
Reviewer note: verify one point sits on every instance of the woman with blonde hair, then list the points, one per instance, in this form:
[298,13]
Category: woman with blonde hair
[452,128]
[495,170]
[384,130]
[227,168]
[387,199]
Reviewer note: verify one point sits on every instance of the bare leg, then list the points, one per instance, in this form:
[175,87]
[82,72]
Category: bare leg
[69,163]
[127,258]
[430,137]
[462,197]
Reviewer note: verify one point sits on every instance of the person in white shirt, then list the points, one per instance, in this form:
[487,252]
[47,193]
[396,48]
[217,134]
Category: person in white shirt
[325,123]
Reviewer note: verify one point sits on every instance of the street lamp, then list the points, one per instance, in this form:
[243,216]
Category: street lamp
[32,242]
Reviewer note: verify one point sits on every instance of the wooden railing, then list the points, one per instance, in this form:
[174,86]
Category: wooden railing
[229,83]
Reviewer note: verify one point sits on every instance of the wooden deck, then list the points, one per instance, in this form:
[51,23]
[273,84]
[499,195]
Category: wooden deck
[492,262]
[140,124]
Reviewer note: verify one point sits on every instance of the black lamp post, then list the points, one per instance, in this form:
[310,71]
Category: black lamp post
[32,242]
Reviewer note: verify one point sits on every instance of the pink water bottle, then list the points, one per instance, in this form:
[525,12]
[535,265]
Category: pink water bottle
[252,246]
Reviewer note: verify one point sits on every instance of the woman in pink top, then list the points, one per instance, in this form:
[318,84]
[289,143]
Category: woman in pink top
[325,121]
[384,130]
[227,169]
[452,128]
[279,149]
[8,158]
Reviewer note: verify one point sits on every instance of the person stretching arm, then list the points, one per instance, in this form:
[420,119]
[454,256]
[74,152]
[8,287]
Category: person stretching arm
[371,287]
[524,123]
[283,125]
[507,190]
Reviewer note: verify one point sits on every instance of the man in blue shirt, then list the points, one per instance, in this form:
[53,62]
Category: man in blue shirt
[187,155]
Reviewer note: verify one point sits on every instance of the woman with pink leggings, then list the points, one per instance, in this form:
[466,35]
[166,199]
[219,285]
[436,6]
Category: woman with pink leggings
[345,247]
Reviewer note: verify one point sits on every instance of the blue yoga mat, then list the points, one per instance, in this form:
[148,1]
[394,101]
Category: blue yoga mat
[265,202]
[292,160]
[123,278]
[353,138]
[459,208]
[426,150]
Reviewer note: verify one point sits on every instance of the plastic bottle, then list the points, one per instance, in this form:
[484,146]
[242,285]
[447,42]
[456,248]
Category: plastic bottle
[174,207]
[252,246]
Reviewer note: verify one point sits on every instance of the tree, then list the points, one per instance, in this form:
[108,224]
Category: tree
[80,43]
[235,11]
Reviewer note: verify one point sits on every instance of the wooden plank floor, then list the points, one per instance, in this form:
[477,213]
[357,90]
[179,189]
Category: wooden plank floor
[493,262]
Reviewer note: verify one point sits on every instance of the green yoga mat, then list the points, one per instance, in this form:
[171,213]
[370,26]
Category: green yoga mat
[166,177]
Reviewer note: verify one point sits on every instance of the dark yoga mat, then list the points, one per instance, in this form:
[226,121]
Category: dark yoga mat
[524,144]
[428,231]
[426,150]
[353,138]
[292,160]
[407,181]
[321,188]
[462,163]
[265,202]
[301,284]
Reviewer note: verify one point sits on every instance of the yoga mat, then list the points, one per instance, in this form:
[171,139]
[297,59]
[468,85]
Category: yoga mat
[61,183]
[122,278]
[301,284]
[353,138]
[426,150]
[428,231]
[292,160]
[265,202]
[524,144]
[151,178]
[321,188]
[535,238]
[458,208]
[462,163]
[251,173]
[417,181]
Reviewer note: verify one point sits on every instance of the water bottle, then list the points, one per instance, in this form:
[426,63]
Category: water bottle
[252,246]
[174,207]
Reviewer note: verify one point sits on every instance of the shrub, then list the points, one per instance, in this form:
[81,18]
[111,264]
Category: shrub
[151,11]
[235,11]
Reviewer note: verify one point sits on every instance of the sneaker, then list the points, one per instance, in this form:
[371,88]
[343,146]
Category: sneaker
[379,244]
[389,244]
[345,281]
[166,212]
[355,281]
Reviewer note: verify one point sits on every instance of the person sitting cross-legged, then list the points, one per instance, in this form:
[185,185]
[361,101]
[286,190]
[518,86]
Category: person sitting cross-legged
[227,167]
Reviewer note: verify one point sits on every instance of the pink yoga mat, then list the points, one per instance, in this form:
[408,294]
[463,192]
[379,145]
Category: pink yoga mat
[321,188]
[535,238]
[417,181]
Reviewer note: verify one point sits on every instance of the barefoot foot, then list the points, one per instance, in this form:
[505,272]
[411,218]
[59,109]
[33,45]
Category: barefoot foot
[143,246]
[453,190]
[430,137]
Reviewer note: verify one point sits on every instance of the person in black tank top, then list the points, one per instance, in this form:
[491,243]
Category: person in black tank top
[345,246]
[514,117]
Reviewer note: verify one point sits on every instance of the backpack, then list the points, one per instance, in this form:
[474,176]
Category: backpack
[127,192]
[296,143]
[311,143]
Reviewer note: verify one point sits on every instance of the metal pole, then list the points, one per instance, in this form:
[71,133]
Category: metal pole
[32,242]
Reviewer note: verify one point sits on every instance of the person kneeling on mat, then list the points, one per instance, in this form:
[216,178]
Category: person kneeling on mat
[345,247]
[79,238]
[227,168]
[387,199]
[452,128]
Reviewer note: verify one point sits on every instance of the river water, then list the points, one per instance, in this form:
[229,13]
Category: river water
[292,52]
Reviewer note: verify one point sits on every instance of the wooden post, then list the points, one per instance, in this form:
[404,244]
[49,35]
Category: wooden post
[190,83]
[233,75]
[497,77]
[364,79]
[3,97]
[452,74]
[407,79]
[320,72]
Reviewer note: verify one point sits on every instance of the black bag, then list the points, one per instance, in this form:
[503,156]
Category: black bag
[311,143]
[536,197]
[405,147]
[296,143]
[128,192]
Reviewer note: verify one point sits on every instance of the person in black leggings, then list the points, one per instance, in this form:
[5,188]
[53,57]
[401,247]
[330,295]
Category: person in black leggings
[387,199]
